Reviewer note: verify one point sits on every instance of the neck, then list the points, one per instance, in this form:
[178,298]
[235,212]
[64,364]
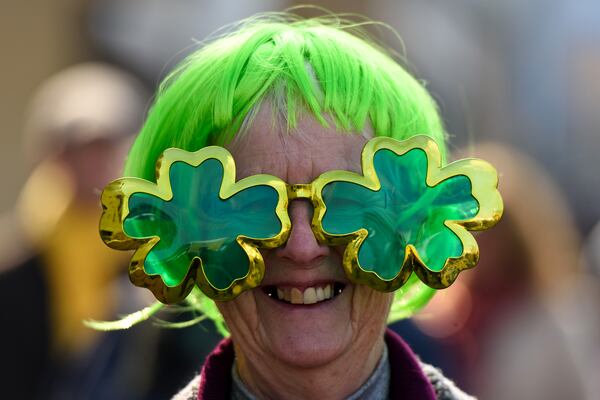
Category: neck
[271,379]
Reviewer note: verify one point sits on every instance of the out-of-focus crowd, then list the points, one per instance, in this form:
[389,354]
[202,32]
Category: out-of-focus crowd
[518,84]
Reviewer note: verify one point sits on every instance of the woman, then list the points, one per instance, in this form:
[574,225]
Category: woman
[296,98]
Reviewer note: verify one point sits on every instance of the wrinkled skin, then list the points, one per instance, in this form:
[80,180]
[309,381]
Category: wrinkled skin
[324,350]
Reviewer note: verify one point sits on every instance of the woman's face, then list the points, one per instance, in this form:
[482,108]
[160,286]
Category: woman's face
[300,332]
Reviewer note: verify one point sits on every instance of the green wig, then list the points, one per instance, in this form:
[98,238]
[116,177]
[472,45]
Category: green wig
[324,67]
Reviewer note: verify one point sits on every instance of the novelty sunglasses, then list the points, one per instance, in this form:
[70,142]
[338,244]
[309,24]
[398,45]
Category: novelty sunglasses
[404,213]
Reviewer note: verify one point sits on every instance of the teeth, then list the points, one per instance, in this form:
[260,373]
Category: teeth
[296,296]
[311,295]
[327,291]
[320,294]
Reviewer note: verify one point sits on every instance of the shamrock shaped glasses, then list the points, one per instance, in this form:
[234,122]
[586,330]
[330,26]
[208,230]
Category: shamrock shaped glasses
[198,226]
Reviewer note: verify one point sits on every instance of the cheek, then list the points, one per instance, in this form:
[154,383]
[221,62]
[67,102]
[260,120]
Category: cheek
[240,313]
[370,308]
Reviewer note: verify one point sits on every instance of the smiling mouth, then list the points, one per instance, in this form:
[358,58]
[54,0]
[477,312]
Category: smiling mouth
[310,295]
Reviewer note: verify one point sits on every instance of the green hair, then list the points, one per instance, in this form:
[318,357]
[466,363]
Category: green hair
[323,66]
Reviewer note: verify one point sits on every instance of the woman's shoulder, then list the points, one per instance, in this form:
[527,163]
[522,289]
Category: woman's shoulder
[444,388]
[190,391]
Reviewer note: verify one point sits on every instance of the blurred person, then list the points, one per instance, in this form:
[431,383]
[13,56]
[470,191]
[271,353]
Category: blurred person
[552,57]
[592,249]
[53,271]
[292,98]
[499,323]
[578,317]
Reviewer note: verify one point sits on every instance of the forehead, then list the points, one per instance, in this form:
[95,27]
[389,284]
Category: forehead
[298,155]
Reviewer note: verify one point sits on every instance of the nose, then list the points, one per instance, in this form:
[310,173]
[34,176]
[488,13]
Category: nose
[302,248]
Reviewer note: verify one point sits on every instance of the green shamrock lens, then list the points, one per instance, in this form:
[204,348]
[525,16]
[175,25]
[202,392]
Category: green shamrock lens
[196,225]
[196,222]
[404,211]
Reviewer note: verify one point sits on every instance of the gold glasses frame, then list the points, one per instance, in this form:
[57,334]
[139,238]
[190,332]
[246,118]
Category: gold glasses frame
[482,175]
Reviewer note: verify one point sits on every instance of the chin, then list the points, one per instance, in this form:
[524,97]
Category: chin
[310,350]
[306,336]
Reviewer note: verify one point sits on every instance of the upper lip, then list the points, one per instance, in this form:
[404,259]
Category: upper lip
[303,284]
[301,277]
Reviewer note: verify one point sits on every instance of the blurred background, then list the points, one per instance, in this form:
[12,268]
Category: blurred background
[518,84]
